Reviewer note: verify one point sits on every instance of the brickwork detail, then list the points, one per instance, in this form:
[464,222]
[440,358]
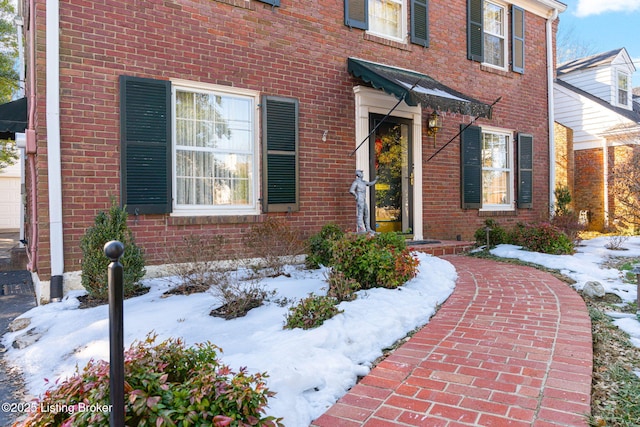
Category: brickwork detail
[298,50]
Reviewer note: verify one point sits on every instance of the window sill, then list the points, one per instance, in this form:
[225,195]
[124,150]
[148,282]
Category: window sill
[498,71]
[207,220]
[386,42]
[490,213]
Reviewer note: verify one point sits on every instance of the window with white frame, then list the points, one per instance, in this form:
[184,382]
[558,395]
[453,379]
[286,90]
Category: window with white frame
[497,191]
[495,34]
[623,89]
[214,151]
[387,18]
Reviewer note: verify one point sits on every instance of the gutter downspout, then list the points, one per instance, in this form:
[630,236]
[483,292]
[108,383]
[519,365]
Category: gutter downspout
[31,148]
[550,98]
[53,148]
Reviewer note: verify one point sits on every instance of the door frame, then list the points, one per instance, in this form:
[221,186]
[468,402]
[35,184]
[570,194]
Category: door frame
[369,100]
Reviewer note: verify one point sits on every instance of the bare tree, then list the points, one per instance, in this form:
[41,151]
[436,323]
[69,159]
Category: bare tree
[569,46]
[624,181]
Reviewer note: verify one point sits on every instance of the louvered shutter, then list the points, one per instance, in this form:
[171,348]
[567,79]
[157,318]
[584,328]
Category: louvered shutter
[356,14]
[471,167]
[525,171]
[517,39]
[145,128]
[420,22]
[475,31]
[280,154]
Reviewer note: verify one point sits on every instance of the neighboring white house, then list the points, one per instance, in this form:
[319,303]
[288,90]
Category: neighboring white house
[11,197]
[593,97]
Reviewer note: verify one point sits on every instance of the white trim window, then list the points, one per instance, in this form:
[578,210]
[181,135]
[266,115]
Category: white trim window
[214,151]
[387,18]
[622,86]
[497,170]
[495,34]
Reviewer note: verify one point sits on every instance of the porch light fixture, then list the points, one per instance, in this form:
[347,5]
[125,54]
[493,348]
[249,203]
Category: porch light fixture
[434,124]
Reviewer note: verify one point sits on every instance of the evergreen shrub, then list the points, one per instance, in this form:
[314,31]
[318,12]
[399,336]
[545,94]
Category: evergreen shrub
[380,260]
[111,225]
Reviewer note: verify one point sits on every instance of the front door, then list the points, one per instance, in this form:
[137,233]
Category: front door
[391,161]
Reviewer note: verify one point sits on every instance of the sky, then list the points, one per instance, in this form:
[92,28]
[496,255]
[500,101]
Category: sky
[604,25]
[309,370]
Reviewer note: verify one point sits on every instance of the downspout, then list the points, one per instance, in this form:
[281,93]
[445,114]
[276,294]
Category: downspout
[31,149]
[550,79]
[53,148]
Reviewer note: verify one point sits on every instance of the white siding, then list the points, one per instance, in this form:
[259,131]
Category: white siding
[597,81]
[588,119]
[10,201]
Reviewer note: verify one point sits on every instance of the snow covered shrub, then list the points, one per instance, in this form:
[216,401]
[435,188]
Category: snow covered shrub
[311,312]
[382,260]
[320,246]
[110,226]
[165,385]
[275,243]
[543,238]
[497,234]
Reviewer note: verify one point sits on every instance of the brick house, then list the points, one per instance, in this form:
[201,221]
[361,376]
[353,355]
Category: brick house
[207,116]
[593,98]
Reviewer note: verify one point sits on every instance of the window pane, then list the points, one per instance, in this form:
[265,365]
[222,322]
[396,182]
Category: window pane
[385,17]
[494,187]
[496,170]
[494,34]
[493,19]
[214,149]
[494,151]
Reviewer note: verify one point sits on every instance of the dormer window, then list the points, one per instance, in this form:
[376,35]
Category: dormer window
[623,89]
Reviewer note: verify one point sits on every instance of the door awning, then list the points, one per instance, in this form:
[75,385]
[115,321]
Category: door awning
[13,118]
[416,88]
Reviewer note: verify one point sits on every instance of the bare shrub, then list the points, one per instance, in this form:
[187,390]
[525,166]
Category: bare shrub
[615,242]
[237,298]
[202,268]
[625,187]
[275,243]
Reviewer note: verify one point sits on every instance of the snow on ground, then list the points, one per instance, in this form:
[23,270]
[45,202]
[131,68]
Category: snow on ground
[309,370]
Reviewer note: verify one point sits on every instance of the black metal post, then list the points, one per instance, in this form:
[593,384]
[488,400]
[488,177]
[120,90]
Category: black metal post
[114,250]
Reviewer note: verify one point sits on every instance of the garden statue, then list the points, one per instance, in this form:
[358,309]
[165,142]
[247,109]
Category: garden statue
[359,191]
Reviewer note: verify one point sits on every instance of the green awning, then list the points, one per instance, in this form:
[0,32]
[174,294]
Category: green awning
[416,88]
[13,118]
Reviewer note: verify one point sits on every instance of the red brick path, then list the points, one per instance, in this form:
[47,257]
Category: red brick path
[510,347]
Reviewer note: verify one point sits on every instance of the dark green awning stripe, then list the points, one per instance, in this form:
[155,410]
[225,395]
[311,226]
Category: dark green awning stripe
[428,92]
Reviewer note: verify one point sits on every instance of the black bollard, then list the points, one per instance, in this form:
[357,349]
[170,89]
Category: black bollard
[114,250]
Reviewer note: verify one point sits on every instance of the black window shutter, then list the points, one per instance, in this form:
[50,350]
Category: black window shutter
[525,171]
[280,154]
[145,133]
[471,167]
[517,39]
[420,22]
[356,13]
[271,2]
[475,30]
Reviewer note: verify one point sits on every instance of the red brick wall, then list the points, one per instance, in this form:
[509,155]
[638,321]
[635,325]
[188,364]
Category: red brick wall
[296,50]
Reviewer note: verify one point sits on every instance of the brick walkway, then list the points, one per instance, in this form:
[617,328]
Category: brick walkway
[510,347]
